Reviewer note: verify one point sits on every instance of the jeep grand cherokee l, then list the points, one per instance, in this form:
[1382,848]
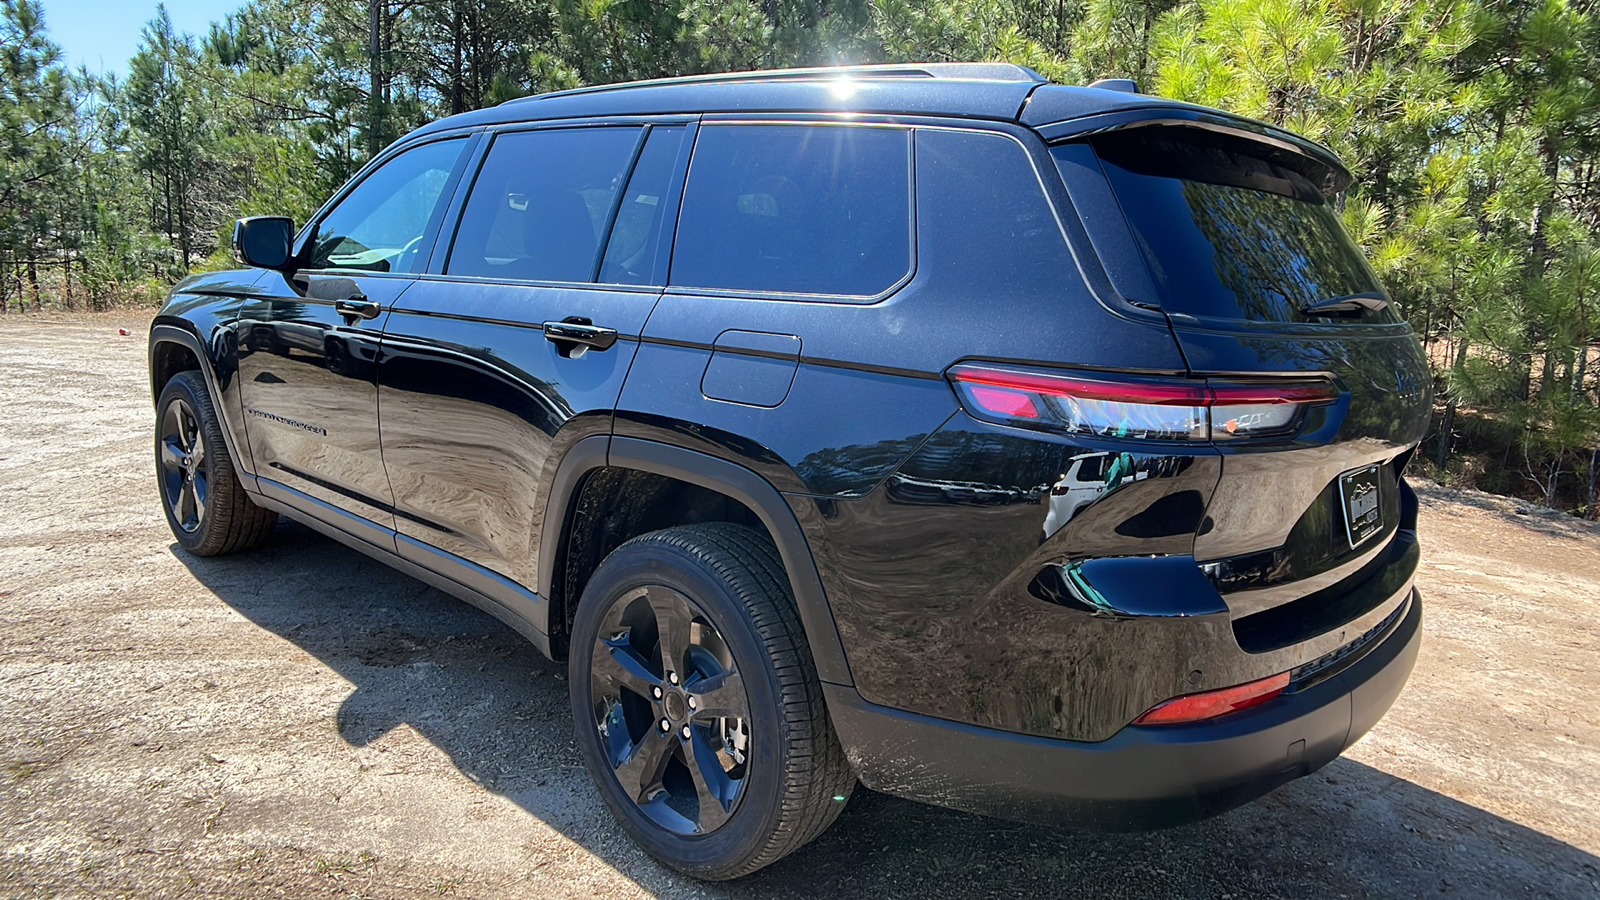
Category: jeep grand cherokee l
[752,398]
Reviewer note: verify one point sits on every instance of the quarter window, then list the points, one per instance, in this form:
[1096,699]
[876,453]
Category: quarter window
[380,225]
[541,204]
[808,209]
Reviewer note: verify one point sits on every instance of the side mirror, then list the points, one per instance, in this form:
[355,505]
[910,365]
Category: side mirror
[264,241]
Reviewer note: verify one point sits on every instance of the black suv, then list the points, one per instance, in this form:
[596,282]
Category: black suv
[1027,449]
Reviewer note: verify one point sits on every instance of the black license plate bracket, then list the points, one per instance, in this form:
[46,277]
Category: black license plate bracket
[1360,500]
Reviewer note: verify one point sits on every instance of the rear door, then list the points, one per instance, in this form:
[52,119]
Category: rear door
[1235,239]
[516,345]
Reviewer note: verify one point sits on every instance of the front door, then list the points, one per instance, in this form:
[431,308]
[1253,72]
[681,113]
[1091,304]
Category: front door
[308,342]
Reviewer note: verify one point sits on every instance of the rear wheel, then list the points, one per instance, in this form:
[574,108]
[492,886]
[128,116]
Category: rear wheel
[696,703]
[207,509]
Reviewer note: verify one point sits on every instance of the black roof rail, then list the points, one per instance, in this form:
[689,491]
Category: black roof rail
[961,71]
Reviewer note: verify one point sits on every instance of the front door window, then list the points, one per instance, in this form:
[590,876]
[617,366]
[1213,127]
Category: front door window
[380,225]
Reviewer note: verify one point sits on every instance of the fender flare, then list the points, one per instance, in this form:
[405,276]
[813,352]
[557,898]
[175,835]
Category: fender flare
[172,334]
[715,474]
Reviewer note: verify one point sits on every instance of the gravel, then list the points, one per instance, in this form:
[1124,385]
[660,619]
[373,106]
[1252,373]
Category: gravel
[302,721]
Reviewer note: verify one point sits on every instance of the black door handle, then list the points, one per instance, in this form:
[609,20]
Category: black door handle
[574,334]
[357,307]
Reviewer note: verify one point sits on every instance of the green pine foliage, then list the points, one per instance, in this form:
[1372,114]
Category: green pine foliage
[1473,128]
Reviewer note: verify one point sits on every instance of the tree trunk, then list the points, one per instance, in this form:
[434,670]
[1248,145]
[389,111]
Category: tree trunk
[1538,260]
[456,37]
[185,220]
[1446,426]
[1593,512]
[33,282]
[375,76]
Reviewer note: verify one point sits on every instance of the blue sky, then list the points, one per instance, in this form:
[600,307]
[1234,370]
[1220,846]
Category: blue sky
[103,34]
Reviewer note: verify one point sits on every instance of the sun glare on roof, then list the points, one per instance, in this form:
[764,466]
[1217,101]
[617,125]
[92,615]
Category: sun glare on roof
[842,88]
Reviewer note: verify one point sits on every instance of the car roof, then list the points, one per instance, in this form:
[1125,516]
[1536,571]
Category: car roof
[985,91]
[993,91]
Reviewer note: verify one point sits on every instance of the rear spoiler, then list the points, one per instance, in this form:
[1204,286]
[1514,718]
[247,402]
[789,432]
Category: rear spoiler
[1316,161]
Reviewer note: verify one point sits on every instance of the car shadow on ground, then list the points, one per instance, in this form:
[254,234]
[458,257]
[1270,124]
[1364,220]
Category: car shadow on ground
[498,710]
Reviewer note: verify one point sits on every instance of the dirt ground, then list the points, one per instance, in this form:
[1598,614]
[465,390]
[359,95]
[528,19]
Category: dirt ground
[302,721]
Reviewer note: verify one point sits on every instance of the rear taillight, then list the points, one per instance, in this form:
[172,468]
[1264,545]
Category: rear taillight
[1163,409]
[1211,704]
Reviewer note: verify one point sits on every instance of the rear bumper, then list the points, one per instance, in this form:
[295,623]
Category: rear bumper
[1142,777]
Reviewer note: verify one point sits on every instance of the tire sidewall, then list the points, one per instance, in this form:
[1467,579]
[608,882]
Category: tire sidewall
[759,810]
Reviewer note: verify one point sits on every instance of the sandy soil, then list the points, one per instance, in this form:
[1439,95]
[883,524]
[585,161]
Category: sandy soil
[303,722]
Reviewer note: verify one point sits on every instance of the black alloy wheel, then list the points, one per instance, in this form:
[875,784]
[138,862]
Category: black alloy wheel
[696,703]
[185,476]
[670,708]
[207,508]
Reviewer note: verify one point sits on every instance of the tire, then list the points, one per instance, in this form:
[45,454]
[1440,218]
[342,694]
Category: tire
[207,508]
[337,357]
[725,588]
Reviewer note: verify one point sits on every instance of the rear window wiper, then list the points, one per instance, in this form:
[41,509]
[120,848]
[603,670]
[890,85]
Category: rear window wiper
[1348,305]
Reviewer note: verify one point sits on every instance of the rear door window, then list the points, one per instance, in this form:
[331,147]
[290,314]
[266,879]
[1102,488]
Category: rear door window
[801,209]
[541,204]
[631,251]
[1229,229]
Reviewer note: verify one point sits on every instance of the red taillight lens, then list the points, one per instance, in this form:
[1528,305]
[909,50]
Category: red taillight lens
[1005,402]
[1211,704]
[1151,409]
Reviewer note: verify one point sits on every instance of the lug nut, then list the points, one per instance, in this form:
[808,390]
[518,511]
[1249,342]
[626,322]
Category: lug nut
[686,732]
[665,726]
[672,677]
[693,703]
[656,692]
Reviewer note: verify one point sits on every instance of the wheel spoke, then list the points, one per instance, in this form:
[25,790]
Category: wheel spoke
[173,456]
[640,771]
[616,666]
[715,790]
[188,430]
[721,695]
[185,507]
[197,451]
[672,626]
[199,489]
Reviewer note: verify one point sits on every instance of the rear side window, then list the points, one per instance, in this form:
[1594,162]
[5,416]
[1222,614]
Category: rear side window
[541,203]
[1091,468]
[1229,230]
[805,209]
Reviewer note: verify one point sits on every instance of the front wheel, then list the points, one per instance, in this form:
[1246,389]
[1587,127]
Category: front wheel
[696,703]
[207,509]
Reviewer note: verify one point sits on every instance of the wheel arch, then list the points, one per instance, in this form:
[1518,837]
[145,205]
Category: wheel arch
[737,483]
[174,349]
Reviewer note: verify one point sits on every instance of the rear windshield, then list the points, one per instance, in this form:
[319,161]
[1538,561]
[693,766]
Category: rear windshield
[1228,231]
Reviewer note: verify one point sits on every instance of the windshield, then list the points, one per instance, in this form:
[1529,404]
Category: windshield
[1229,231]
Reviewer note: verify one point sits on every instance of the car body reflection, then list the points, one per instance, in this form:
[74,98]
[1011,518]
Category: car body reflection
[1088,477]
